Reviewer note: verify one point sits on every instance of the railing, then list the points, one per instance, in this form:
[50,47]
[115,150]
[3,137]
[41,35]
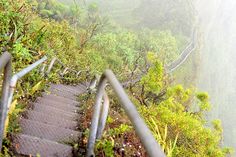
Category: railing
[9,86]
[101,112]
[9,83]
[5,63]
[185,53]
[19,75]
[176,63]
[66,69]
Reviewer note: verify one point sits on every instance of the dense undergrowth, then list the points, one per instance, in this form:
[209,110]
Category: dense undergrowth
[175,115]
[84,40]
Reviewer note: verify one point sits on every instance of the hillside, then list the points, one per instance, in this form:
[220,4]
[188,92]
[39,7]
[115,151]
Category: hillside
[134,39]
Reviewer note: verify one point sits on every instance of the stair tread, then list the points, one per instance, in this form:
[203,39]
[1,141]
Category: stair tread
[58,105]
[69,87]
[50,132]
[30,145]
[71,91]
[56,120]
[63,94]
[51,110]
[59,98]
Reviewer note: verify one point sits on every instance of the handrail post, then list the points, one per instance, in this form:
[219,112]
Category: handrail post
[95,117]
[20,74]
[103,115]
[51,65]
[64,71]
[78,73]
[42,69]
[145,135]
[100,114]
[5,62]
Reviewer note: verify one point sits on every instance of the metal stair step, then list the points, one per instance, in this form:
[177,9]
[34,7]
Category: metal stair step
[49,132]
[59,105]
[56,120]
[31,146]
[52,110]
[76,89]
[60,99]
[63,89]
[63,94]
[52,106]
[83,85]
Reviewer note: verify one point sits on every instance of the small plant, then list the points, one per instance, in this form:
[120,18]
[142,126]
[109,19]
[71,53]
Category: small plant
[6,152]
[119,130]
[106,146]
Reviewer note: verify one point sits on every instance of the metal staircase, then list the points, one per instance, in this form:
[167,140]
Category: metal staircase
[50,124]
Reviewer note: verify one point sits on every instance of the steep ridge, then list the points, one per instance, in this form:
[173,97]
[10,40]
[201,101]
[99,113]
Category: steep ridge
[49,125]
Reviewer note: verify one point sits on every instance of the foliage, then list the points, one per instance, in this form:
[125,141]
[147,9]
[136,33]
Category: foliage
[83,39]
[106,146]
[185,122]
[5,152]
[116,50]
[153,80]
[28,37]
[162,43]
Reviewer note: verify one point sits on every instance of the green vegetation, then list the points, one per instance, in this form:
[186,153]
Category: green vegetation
[178,124]
[85,40]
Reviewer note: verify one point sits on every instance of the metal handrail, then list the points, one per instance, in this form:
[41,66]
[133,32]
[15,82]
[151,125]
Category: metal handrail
[66,69]
[101,112]
[176,63]
[5,62]
[185,53]
[19,75]
[9,84]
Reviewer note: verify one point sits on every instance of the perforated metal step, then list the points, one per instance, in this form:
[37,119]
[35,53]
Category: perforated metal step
[76,89]
[49,132]
[52,110]
[57,104]
[60,99]
[56,120]
[64,94]
[71,91]
[29,145]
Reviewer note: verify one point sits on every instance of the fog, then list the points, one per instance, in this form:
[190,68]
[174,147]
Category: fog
[218,61]
[217,74]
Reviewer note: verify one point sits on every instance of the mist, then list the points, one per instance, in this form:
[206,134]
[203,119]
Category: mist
[217,22]
[217,19]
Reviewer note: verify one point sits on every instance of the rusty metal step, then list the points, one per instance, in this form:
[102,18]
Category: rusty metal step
[56,120]
[60,99]
[31,146]
[52,111]
[58,105]
[49,132]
